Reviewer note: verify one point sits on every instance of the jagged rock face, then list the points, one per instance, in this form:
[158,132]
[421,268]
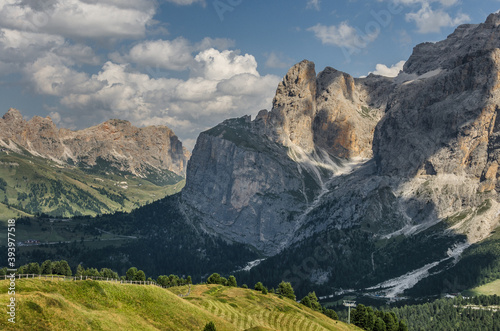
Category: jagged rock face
[123,146]
[294,107]
[443,120]
[245,187]
[347,113]
[331,111]
[251,180]
[440,130]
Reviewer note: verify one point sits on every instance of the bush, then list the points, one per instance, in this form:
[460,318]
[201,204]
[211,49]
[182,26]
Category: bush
[130,274]
[231,281]
[140,276]
[332,314]
[258,286]
[210,326]
[214,278]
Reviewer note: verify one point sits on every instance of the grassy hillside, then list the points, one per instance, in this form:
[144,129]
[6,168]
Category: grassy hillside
[91,305]
[30,185]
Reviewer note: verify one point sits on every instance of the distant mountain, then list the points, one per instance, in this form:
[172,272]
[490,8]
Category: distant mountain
[108,167]
[115,144]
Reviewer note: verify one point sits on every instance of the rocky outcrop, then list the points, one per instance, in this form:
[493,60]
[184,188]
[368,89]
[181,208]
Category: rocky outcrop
[348,110]
[116,143]
[294,108]
[332,111]
[443,111]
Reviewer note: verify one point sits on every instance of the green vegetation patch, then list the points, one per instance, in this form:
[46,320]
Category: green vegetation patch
[484,207]
[32,185]
[113,306]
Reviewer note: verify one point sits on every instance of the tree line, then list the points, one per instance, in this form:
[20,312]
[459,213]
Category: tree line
[62,268]
[370,319]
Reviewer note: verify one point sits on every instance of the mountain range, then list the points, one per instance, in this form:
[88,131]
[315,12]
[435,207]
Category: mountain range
[381,185]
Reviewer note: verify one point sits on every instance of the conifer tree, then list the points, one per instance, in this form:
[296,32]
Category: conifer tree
[285,289]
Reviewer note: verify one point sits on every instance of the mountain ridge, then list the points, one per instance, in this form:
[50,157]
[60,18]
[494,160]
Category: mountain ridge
[425,122]
[126,147]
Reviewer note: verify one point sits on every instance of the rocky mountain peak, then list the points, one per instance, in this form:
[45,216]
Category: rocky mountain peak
[13,115]
[330,111]
[249,180]
[466,42]
[493,19]
[300,81]
[433,126]
[294,107]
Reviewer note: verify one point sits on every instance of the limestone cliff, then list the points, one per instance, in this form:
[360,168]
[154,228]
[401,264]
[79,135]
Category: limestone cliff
[331,111]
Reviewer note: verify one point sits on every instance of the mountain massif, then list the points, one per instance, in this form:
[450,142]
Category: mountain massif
[408,158]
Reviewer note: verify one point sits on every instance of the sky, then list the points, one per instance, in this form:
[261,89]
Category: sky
[190,64]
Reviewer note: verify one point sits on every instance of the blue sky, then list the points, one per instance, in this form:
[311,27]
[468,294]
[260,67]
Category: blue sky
[189,64]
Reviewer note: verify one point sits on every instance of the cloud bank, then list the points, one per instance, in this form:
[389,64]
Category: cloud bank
[186,85]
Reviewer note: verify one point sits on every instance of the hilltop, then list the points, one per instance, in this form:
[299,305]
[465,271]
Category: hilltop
[81,305]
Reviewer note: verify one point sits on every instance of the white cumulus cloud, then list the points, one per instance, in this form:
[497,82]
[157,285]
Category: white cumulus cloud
[172,55]
[223,84]
[343,35]
[79,18]
[218,65]
[431,21]
[393,71]
[56,46]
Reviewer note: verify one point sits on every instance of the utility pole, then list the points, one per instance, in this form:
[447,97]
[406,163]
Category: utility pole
[349,304]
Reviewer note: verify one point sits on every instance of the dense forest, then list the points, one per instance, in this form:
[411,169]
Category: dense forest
[460,314]
[483,256]
[163,241]
[354,252]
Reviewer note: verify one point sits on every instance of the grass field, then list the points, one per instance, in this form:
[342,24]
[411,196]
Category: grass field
[487,289]
[91,305]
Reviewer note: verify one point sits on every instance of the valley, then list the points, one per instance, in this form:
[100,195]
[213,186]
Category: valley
[381,190]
